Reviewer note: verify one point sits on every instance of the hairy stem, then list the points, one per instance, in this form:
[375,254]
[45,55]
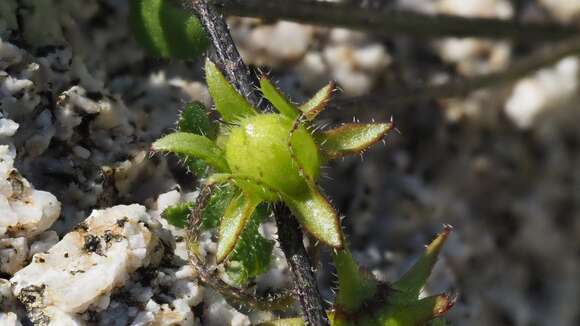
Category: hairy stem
[225,54]
[304,280]
[290,236]
[389,22]
[546,56]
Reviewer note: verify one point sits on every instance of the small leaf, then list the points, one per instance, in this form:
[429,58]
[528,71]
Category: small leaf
[177,215]
[167,30]
[192,146]
[229,103]
[216,205]
[280,102]
[411,283]
[351,138]
[355,286]
[196,166]
[317,216]
[194,119]
[232,224]
[318,102]
[253,253]
[416,313]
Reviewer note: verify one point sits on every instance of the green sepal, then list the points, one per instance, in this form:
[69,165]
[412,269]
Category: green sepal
[193,146]
[194,119]
[166,30]
[253,253]
[410,284]
[318,102]
[418,312]
[250,184]
[235,218]
[177,215]
[317,216]
[355,286]
[229,103]
[351,138]
[278,100]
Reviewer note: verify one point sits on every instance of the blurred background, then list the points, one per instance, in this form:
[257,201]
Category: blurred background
[498,163]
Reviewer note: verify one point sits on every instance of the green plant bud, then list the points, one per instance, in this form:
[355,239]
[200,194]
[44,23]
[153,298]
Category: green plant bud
[166,30]
[268,149]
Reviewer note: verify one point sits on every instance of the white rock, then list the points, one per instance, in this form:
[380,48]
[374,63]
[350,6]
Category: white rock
[9,54]
[168,199]
[282,42]
[43,242]
[13,254]
[7,300]
[9,319]
[7,127]
[475,56]
[356,66]
[218,312]
[25,211]
[544,90]
[565,10]
[88,263]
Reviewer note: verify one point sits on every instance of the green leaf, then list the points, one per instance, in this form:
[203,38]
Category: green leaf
[253,253]
[194,119]
[177,215]
[215,207]
[318,102]
[416,313]
[167,30]
[280,102]
[232,224]
[355,286]
[317,216]
[229,103]
[351,138]
[410,284]
[193,146]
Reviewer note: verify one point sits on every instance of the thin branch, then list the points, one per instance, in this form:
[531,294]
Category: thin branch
[290,236]
[225,54]
[389,22]
[304,279]
[546,56]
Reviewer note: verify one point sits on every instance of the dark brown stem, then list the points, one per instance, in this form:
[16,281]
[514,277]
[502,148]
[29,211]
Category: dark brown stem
[389,22]
[225,54]
[290,236]
[304,280]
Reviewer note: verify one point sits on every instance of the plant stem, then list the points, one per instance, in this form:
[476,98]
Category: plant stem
[290,235]
[546,56]
[304,280]
[226,55]
[389,22]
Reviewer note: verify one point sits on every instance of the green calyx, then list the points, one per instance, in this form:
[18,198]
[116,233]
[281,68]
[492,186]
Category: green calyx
[266,157]
[273,151]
